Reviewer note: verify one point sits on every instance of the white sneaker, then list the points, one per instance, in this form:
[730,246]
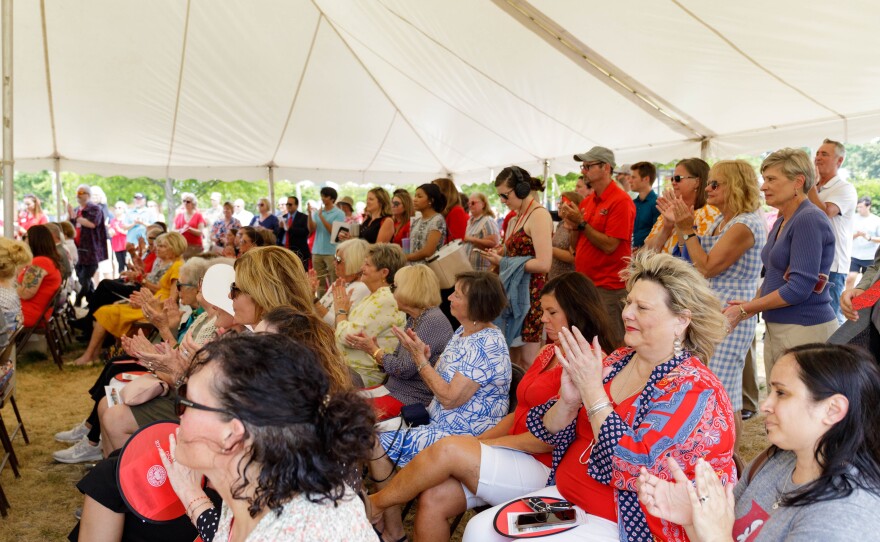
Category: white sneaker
[74,435]
[81,452]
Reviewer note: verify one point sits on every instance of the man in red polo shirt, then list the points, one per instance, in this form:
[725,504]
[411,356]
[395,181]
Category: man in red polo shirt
[601,231]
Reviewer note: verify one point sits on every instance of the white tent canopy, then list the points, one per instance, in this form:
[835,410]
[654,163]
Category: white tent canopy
[403,91]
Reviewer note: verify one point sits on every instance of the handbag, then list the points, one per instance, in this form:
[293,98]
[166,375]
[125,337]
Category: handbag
[448,262]
[415,415]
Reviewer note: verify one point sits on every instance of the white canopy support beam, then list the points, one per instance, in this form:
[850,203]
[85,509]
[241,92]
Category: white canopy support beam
[271,167]
[58,189]
[8,155]
[592,62]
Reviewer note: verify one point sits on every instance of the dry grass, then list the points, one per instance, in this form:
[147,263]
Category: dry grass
[44,498]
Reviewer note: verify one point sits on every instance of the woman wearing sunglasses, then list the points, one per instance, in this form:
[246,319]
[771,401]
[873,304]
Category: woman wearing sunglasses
[820,478]
[190,223]
[348,260]
[689,185]
[729,256]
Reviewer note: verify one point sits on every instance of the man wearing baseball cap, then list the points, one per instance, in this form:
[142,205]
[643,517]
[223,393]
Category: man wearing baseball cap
[601,231]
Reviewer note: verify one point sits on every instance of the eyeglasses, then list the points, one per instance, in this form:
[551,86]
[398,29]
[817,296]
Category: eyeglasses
[82,193]
[678,178]
[186,285]
[188,201]
[396,204]
[505,197]
[713,185]
[152,238]
[234,291]
[181,403]
[541,506]
[338,258]
[586,167]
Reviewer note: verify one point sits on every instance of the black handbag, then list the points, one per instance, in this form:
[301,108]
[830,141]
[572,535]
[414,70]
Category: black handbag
[415,415]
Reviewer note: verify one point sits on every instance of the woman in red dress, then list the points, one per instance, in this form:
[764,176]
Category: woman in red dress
[31,215]
[189,222]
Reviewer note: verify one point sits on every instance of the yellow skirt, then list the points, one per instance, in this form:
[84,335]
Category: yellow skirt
[117,319]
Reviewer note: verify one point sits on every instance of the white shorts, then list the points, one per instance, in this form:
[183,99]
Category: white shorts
[506,474]
[481,529]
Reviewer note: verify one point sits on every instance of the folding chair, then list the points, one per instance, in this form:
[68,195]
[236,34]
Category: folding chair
[47,327]
[7,394]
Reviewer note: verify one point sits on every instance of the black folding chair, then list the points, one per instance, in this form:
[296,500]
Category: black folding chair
[7,394]
[48,327]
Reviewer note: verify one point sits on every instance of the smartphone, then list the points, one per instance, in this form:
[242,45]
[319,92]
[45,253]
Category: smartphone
[544,519]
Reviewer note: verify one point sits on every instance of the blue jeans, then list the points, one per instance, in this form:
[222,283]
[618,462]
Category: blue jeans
[836,284]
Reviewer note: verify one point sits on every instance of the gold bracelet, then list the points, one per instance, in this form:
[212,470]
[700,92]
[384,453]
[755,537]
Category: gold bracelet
[742,312]
[376,353]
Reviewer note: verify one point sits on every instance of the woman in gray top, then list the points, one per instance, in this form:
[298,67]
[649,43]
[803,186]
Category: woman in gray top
[820,478]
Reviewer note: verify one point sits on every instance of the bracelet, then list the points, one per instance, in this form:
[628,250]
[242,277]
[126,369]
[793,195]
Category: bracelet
[421,366]
[376,353]
[742,312]
[596,408]
[189,509]
[341,311]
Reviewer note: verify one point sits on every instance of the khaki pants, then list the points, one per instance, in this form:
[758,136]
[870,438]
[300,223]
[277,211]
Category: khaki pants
[613,302]
[781,337]
[325,268]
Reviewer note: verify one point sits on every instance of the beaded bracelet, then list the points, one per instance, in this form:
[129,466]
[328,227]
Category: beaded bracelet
[189,509]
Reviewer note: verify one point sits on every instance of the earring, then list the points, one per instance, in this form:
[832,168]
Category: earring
[677,348]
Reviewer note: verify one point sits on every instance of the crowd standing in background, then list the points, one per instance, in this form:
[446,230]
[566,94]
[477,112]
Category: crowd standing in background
[671,285]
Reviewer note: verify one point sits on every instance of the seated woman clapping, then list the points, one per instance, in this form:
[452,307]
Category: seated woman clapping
[259,419]
[470,382]
[461,472]
[349,259]
[652,399]
[820,478]
[117,319]
[374,316]
[417,292]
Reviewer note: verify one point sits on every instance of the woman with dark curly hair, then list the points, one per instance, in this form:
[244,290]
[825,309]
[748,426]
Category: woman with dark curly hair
[259,419]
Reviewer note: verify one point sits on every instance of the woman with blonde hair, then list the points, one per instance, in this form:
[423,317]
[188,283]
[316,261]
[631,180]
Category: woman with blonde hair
[650,400]
[729,256]
[265,278]
[117,319]
[190,223]
[455,215]
[265,218]
[417,293]
[349,259]
[482,231]
[13,256]
[377,227]
[689,182]
[401,213]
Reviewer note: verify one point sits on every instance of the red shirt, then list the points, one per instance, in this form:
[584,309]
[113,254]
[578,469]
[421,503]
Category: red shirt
[505,222]
[456,223]
[401,234]
[192,237]
[572,479]
[30,308]
[613,213]
[536,388]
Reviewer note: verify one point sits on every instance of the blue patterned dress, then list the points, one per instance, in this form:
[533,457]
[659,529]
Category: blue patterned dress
[739,281]
[483,357]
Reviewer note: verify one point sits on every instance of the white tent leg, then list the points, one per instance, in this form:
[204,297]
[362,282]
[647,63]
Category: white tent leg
[272,201]
[59,190]
[169,202]
[8,156]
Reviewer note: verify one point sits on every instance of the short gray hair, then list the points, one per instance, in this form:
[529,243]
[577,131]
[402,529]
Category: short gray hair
[839,149]
[792,162]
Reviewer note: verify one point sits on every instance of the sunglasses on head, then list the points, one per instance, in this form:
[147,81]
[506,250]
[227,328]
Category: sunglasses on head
[678,178]
[181,403]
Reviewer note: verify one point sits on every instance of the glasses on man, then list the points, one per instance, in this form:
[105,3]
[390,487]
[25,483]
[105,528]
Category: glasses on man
[234,291]
[181,403]
[82,193]
[679,178]
[586,167]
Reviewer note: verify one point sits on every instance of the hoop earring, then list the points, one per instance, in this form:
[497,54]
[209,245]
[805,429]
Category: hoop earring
[677,348]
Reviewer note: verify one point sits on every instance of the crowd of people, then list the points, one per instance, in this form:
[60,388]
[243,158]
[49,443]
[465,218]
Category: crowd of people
[285,343]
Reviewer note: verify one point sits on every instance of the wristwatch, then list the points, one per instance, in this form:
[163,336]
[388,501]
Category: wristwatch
[582,226]
[687,236]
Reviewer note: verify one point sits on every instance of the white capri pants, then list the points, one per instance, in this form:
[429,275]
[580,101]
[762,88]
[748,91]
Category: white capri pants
[505,474]
[480,528]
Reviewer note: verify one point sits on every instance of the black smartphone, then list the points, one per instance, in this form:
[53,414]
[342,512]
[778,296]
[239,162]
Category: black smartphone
[543,519]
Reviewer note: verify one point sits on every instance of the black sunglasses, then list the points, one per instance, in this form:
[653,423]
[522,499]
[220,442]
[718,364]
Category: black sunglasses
[678,178]
[181,403]
[234,291]
[713,185]
[505,196]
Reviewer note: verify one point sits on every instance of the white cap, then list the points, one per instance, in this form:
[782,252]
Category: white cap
[215,286]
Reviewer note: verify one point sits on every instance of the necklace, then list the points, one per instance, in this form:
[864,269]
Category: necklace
[781,494]
[520,218]
[628,392]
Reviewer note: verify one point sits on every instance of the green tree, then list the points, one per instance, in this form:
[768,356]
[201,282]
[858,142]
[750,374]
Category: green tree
[863,161]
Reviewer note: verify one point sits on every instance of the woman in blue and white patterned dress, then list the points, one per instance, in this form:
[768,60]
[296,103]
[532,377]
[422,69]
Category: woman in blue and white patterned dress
[729,255]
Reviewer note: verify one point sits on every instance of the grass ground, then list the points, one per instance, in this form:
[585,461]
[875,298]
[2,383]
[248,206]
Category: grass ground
[50,400]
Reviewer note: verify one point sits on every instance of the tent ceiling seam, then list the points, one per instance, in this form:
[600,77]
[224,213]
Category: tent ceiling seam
[48,79]
[382,143]
[482,73]
[432,93]
[381,88]
[754,62]
[179,88]
[299,84]
[614,78]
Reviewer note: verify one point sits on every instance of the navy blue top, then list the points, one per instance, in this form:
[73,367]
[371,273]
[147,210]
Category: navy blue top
[646,215]
[804,249]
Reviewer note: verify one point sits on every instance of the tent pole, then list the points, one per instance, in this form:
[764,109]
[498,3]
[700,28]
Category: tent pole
[704,149]
[169,201]
[547,188]
[8,157]
[272,187]
[59,190]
